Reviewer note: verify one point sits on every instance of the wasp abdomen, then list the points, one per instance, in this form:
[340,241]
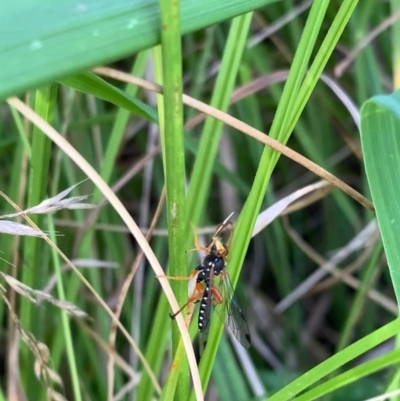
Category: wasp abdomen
[204,316]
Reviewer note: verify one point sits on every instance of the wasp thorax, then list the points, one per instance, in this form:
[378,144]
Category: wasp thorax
[218,265]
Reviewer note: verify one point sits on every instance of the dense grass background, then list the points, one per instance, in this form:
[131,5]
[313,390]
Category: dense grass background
[318,282]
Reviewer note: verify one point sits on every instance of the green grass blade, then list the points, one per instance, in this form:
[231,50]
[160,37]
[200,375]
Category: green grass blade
[250,211]
[39,174]
[202,171]
[61,38]
[352,375]
[200,66]
[155,348]
[174,389]
[87,82]
[65,320]
[231,383]
[174,167]
[336,361]
[380,127]
[328,45]
[306,45]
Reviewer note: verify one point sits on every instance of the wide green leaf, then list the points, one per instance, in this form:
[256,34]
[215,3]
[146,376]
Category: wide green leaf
[380,137]
[48,40]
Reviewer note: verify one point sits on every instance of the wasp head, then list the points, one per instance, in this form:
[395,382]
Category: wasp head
[219,249]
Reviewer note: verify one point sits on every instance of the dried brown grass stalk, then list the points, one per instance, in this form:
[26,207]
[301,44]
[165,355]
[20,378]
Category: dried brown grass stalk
[42,355]
[37,296]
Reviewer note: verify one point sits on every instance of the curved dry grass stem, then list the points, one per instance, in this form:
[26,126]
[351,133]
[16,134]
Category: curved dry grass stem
[243,91]
[91,173]
[265,81]
[246,129]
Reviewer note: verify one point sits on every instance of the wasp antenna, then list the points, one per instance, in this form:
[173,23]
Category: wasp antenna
[224,224]
[228,218]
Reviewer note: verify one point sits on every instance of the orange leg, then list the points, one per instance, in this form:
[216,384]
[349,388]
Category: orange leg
[179,278]
[217,296]
[197,246]
[197,295]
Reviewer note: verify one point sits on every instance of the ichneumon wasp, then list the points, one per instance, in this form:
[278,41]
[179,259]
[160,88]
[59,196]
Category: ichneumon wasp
[201,289]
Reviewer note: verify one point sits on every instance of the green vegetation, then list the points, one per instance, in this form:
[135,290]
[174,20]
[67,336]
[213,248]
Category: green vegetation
[256,102]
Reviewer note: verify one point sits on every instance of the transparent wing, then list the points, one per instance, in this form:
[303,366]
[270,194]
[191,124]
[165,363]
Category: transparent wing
[230,313]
